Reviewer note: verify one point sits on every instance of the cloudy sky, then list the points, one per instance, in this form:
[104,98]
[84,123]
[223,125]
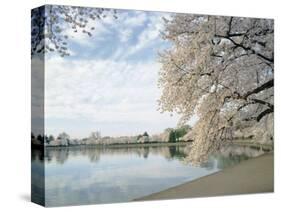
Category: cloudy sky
[109,83]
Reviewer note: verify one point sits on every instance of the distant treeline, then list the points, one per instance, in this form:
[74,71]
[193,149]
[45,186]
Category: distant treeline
[169,135]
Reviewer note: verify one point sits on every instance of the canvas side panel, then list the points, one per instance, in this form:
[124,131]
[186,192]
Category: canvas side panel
[37,106]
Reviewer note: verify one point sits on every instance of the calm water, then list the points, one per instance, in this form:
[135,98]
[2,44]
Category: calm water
[80,175]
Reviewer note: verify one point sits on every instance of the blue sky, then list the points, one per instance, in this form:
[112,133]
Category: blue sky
[109,83]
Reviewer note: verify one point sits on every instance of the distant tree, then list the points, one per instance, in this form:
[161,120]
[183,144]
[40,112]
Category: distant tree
[95,135]
[145,134]
[46,139]
[172,137]
[139,137]
[180,132]
[186,127]
[40,138]
[167,130]
[50,23]
[63,135]
[32,136]
[51,138]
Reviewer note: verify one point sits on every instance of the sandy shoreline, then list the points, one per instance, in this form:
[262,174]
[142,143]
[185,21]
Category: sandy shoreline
[255,175]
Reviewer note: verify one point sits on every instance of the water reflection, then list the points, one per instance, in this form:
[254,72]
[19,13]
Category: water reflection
[230,155]
[87,175]
[61,154]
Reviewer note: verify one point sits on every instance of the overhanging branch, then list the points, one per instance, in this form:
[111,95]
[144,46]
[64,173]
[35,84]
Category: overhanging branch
[264,86]
[264,113]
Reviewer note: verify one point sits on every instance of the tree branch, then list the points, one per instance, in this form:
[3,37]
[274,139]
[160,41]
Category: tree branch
[264,86]
[271,106]
[264,113]
[248,49]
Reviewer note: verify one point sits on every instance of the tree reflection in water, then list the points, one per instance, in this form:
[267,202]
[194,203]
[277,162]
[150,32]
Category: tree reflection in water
[228,155]
[61,154]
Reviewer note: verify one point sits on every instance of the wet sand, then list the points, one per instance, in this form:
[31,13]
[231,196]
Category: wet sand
[255,175]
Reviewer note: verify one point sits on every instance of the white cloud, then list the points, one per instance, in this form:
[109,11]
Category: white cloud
[123,26]
[105,93]
[151,34]
[125,34]
[138,19]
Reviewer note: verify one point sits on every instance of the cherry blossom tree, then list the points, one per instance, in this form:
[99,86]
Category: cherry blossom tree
[220,68]
[50,23]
